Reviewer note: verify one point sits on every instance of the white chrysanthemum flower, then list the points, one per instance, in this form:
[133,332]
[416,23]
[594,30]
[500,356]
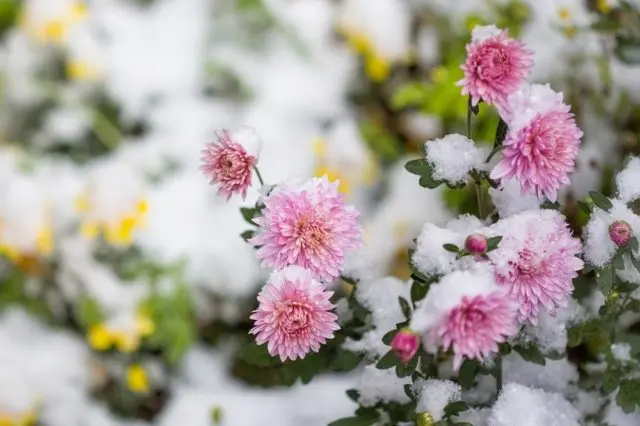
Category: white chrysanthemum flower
[25,218]
[113,203]
[50,21]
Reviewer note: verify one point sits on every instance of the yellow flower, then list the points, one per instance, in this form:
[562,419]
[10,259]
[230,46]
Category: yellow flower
[319,147]
[333,175]
[604,6]
[126,341]
[53,31]
[78,11]
[377,68]
[570,30]
[564,13]
[82,203]
[137,379]
[358,41]
[44,241]
[81,70]
[100,337]
[9,252]
[118,232]
[400,229]
[26,419]
[144,325]
[89,230]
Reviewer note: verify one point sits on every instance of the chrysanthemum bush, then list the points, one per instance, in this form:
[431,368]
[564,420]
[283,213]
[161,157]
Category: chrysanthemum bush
[508,318]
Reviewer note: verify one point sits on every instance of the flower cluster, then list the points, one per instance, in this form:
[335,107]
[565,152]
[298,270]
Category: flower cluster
[304,229]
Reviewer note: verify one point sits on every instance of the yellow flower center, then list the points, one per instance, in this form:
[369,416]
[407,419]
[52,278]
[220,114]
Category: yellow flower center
[24,419]
[81,70]
[377,68]
[564,13]
[604,6]
[137,379]
[118,232]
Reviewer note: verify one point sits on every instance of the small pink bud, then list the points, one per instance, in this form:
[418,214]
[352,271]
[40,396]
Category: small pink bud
[620,232]
[476,244]
[405,344]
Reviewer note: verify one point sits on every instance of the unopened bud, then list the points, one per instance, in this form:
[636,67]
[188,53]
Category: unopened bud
[620,233]
[425,419]
[476,244]
[405,344]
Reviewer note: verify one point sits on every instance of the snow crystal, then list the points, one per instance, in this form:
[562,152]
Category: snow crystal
[434,395]
[614,416]
[554,376]
[509,200]
[381,386]
[453,157]
[380,297]
[464,224]
[628,181]
[524,406]
[598,247]
[474,416]
[621,351]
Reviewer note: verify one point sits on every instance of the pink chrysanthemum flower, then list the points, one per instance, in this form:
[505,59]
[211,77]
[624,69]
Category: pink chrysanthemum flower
[294,314]
[229,162]
[308,225]
[536,261]
[466,312]
[542,143]
[475,327]
[495,67]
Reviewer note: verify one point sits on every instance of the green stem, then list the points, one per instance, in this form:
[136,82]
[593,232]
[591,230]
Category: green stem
[498,373]
[108,134]
[469,118]
[258,175]
[480,197]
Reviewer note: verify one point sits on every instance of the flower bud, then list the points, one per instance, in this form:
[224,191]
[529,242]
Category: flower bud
[425,419]
[620,233]
[476,244]
[405,344]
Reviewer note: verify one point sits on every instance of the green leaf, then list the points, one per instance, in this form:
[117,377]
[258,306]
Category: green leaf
[418,291]
[451,247]
[408,390]
[308,367]
[617,261]
[249,214]
[605,278]
[258,355]
[625,287]
[635,262]
[467,373]
[633,245]
[418,167]
[611,380]
[530,353]
[389,360]
[353,394]
[346,360]
[600,201]
[406,308]
[455,407]
[492,243]
[629,395]
[426,181]
[89,312]
[501,133]
[388,337]
[246,235]
[628,49]
[354,421]
[505,348]
[584,207]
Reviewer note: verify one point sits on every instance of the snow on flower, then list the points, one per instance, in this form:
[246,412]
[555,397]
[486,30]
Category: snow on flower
[542,142]
[466,312]
[26,216]
[453,157]
[377,385]
[536,261]
[434,395]
[599,247]
[294,314]
[113,203]
[628,181]
[229,162]
[509,199]
[495,67]
[375,295]
[525,406]
[309,225]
